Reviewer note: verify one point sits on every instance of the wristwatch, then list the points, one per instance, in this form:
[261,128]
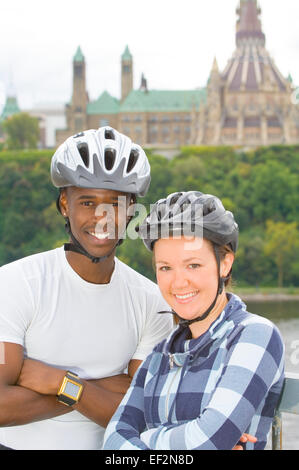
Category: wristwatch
[70,390]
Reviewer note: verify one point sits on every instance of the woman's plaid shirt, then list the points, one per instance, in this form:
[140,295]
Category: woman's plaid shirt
[204,393]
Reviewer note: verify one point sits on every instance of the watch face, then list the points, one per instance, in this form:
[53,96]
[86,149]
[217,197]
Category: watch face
[71,389]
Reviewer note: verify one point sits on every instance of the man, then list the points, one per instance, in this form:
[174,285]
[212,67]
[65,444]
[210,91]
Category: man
[82,320]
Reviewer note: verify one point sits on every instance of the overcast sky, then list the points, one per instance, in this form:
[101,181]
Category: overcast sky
[173,42]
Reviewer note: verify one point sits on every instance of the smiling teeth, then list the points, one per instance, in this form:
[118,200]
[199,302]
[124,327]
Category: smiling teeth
[186,296]
[100,236]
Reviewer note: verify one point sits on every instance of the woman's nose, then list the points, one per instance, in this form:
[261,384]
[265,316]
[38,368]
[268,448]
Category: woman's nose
[179,280]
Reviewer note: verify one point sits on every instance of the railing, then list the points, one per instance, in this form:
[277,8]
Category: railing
[288,403]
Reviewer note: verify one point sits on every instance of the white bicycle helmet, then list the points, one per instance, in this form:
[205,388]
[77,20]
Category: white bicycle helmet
[101,159]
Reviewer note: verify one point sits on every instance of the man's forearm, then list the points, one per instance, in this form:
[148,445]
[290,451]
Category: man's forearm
[99,399]
[19,405]
[98,403]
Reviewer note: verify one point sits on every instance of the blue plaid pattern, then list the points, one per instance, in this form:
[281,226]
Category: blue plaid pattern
[204,393]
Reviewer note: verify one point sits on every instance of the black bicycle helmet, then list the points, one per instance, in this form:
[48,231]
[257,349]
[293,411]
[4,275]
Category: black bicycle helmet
[190,213]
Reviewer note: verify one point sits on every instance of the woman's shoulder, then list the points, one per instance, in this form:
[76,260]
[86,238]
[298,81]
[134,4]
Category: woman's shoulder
[257,330]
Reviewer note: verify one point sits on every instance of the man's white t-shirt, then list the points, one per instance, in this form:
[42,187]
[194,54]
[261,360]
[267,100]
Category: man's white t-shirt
[93,330]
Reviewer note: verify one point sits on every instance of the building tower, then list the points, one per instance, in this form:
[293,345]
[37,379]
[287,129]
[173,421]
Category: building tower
[254,95]
[126,73]
[76,111]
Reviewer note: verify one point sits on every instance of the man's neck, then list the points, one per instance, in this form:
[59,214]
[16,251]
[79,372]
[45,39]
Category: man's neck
[95,273]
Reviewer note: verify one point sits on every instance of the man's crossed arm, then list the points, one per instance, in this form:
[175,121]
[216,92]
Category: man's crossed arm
[28,391]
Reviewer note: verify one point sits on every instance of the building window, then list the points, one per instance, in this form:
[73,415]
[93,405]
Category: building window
[78,71]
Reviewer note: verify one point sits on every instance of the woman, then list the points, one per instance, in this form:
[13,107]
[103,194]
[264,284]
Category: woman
[220,373]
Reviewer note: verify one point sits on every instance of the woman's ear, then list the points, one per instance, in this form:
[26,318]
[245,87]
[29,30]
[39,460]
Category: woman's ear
[226,264]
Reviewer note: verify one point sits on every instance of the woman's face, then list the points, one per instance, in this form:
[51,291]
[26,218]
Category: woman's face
[186,271]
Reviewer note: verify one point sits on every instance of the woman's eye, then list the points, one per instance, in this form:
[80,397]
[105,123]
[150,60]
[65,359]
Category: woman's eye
[164,268]
[194,266]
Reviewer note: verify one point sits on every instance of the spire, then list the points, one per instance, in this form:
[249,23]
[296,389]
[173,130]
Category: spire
[143,84]
[78,57]
[215,73]
[249,25]
[215,68]
[126,54]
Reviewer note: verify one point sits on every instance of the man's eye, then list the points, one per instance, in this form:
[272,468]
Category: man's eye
[87,203]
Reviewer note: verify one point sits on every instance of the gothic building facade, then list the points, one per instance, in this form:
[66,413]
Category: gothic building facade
[248,104]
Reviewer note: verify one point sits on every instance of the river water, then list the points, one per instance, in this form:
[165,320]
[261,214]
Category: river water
[285,314]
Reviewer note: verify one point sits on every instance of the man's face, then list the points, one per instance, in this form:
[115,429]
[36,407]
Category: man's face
[98,217]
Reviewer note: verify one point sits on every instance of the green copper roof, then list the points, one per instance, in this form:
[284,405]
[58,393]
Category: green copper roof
[11,107]
[79,57]
[162,100]
[105,104]
[127,54]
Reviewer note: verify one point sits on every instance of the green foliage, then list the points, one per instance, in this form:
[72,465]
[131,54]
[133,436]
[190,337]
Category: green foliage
[22,131]
[260,187]
[282,244]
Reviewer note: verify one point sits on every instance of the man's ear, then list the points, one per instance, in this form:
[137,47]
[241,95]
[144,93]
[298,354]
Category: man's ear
[62,204]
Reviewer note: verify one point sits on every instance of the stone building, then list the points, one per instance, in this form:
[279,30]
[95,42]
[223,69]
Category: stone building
[153,117]
[249,103]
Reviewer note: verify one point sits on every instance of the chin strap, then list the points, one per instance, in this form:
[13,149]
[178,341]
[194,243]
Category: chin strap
[78,248]
[221,282]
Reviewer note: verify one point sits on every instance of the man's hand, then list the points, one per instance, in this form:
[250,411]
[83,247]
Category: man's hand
[40,377]
[245,438]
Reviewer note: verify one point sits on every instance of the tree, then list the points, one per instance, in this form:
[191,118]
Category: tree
[22,131]
[282,245]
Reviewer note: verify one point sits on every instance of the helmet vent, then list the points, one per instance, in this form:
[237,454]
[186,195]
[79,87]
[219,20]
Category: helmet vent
[175,199]
[110,155]
[109,134]
[84,153]
[132,160]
